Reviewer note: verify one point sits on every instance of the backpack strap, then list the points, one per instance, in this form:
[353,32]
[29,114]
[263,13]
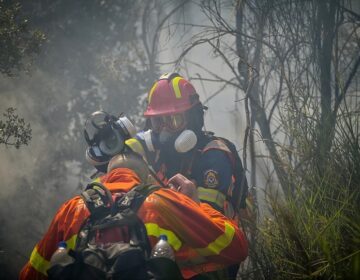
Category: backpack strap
[134,198]
[104,211]
[125,254]
[240,192]
[97,198]
[128,205]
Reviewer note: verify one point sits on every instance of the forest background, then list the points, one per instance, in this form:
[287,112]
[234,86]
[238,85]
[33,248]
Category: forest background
[280,78]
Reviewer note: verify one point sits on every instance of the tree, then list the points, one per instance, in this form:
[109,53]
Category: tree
[298,76]
[287,54]
[18,43]
[14,131]
[18,46]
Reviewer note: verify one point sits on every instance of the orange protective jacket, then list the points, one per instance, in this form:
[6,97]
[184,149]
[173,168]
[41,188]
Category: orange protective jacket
[203,239]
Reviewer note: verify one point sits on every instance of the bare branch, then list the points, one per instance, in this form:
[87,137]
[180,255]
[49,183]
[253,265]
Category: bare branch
[347,84]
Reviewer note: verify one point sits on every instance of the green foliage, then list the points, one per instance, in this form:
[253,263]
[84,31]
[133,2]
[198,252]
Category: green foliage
[13,130]
[315,232]
[17,42]
[314,236]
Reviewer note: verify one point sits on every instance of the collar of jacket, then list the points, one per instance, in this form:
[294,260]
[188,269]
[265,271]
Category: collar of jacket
[120,179]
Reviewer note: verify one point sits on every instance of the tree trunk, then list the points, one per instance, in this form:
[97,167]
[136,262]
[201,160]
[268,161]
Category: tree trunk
[257,111]
[324,37]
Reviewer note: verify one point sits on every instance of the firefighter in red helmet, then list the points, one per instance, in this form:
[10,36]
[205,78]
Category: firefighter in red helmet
[175,115]
[176,142]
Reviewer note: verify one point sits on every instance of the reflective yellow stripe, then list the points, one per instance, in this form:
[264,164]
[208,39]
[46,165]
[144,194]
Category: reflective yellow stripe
[136,146]
[38,262]
[154,230]
[220,243]
[212,195]
[97,180]
[175,84]
[71,242]
[151,92]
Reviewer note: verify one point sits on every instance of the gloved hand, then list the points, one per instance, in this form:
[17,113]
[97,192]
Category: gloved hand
[182,184]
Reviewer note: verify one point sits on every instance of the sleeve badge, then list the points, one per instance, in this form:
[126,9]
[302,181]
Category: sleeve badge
[211,179]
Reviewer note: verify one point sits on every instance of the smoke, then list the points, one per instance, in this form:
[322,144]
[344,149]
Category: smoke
[226,112]
[76,74]
[68,81]
[22,162]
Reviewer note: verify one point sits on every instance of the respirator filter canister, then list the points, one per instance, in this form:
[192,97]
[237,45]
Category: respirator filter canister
[185,141]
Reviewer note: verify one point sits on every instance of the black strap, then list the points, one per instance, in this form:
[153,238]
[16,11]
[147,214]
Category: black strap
[135,197]
[104,211]
[238,198]
[97,198]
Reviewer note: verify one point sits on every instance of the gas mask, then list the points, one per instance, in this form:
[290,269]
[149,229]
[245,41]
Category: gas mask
[180,142]
[105,135]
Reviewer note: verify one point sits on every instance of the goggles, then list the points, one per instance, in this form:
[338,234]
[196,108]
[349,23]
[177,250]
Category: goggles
[172,122]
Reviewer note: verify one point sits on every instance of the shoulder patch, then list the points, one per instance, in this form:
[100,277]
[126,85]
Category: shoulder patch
[211,179]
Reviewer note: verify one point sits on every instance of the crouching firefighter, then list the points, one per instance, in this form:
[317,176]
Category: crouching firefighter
[111,227]
[112,243]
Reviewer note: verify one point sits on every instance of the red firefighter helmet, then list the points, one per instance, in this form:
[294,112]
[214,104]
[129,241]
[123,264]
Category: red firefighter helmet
[170,95]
